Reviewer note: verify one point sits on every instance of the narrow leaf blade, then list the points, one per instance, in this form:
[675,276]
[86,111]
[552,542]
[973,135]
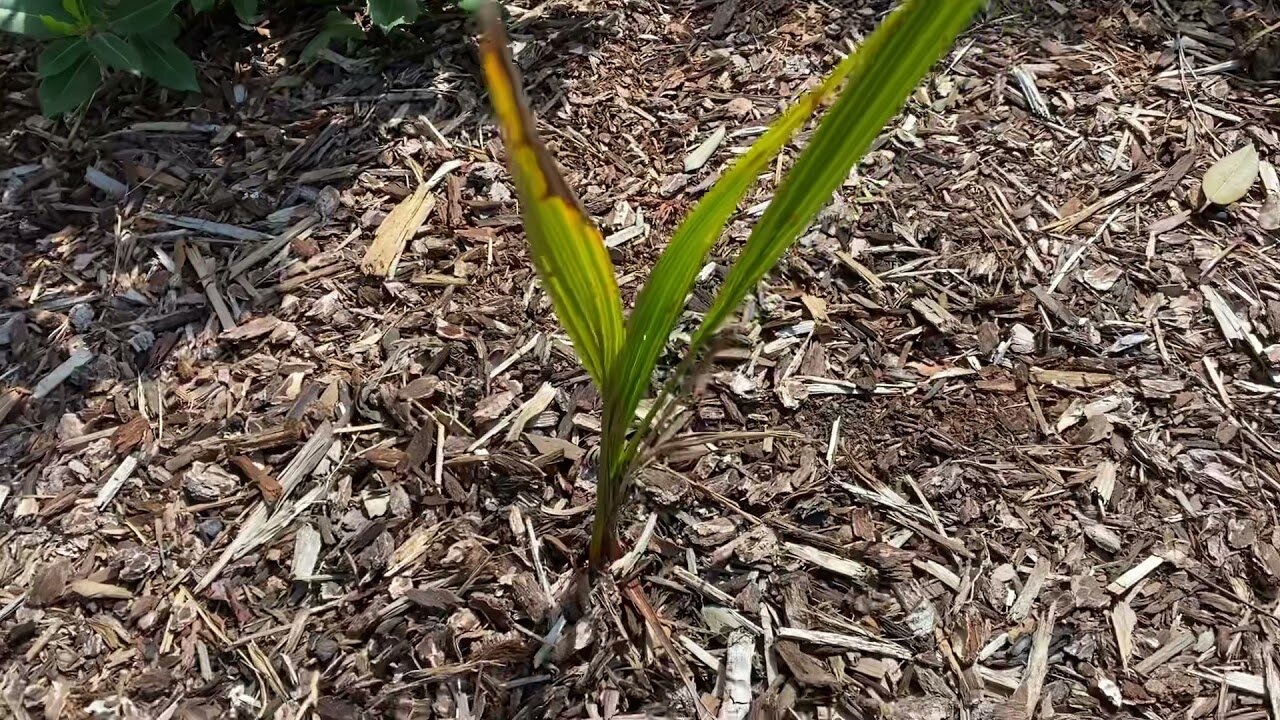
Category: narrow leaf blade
[337,27]
[661,300]
[567,249]
[75,8]
[889,65]
[1230,178]
[884,71]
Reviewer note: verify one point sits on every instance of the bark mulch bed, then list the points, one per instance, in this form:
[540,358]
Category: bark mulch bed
[998,439]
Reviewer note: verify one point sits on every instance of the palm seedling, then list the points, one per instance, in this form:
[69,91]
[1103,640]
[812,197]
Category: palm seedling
[621,353]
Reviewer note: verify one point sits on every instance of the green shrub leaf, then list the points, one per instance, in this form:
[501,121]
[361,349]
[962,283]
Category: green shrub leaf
[70,88]
[133,17]
[24,17]
[168,29]
[246,10]
[75,8]
[165,63]
[387,14]
[337,27]
[114,52]
[61,54]
[202,5]
[59,28]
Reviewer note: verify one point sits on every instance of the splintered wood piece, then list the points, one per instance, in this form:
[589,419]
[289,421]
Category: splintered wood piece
[306,552]
[267,249]
[1035,581]
[1072,378]
[1239,681]
[1027,84]
[693,581]
[96,590]
[699,653]
[518,418]
[864,272]
[267,485]
[396,230]
[1104,481]
[1037,664]
[306,459]
[830,561]
[50,382]
[1230,324]
[8,401]
[1272,676]
[937,316]
[115,482]
[204,273]
[736,701]
[849,642]
[1135,574]
[225,230]
[412,549]
[1166,652]
[944,574]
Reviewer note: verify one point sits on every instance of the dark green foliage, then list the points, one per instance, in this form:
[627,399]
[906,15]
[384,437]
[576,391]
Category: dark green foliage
[338,28]
[86,38]
[72,87]
[165,63]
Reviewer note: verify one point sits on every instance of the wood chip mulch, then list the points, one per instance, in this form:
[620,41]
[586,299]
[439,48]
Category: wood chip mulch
[287,429]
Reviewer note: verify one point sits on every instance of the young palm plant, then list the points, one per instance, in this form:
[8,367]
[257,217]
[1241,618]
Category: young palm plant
[620,354]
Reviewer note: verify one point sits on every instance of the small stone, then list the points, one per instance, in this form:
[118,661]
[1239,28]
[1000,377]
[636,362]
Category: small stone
[208,530]
[69,427]
[738,107]
[142,340]
[328,201]
[324,649]
[81,317]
